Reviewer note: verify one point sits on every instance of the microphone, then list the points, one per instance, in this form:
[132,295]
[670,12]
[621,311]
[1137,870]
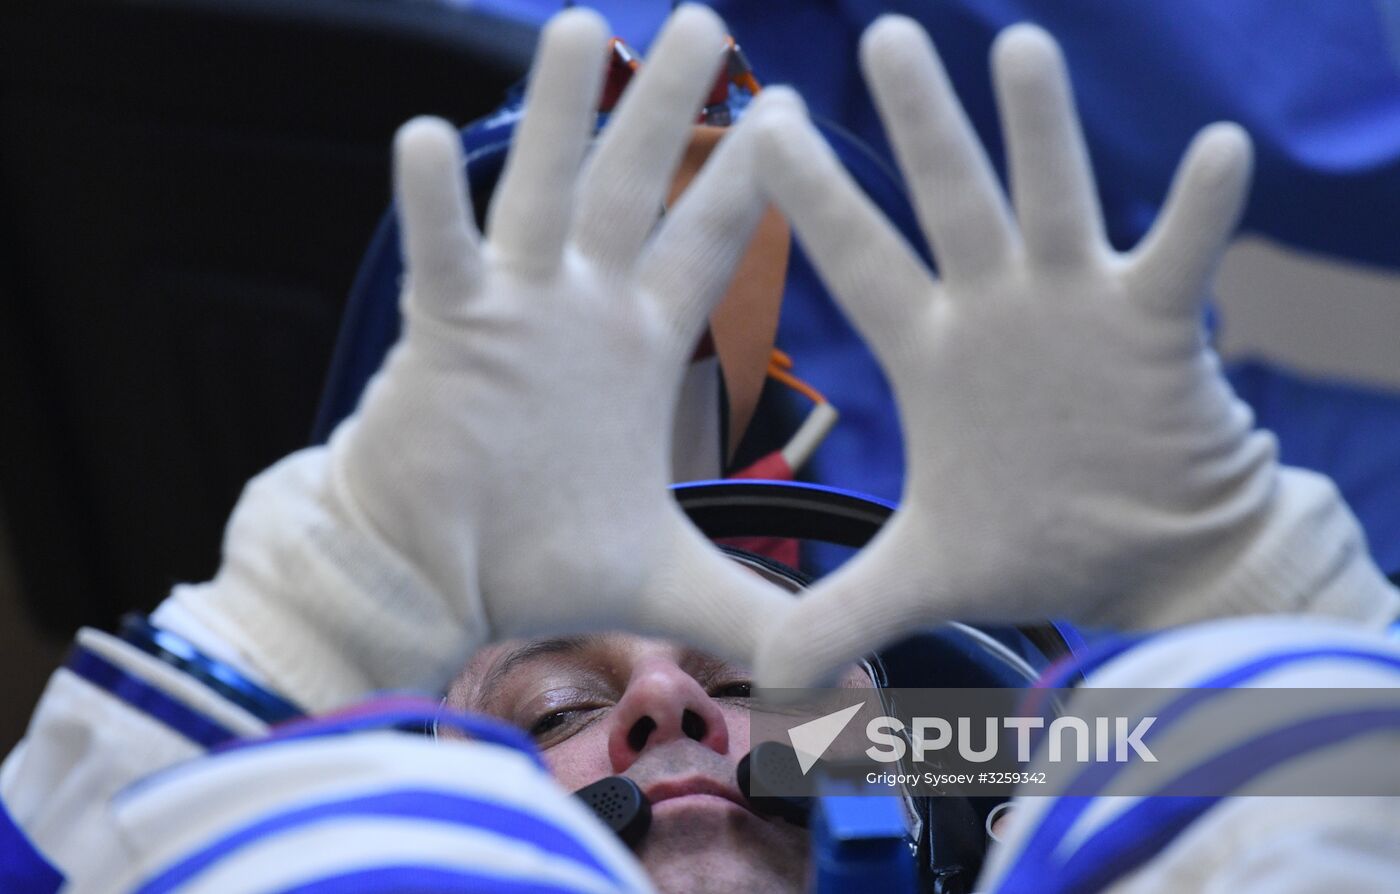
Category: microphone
[620,804]
[771,768]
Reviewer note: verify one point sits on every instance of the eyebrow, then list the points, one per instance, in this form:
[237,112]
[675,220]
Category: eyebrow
[704,666]
[535,649]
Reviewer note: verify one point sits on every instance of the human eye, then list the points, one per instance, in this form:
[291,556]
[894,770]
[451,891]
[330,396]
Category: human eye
[563,721]
[556,716]
[737,689]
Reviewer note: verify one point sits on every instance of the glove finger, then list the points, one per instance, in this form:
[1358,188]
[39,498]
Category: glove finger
[1052,182]
[533,204]
[627,179]
[699,595]
[956,194]
[1202,209]
[860,256]
[691,262]
[877,598]
[440,244]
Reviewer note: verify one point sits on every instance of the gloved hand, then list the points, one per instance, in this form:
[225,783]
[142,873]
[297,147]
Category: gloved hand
[1072,447]
[506,472]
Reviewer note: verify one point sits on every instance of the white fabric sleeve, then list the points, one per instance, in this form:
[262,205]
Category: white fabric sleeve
[373,811]
[1282,846]
[1251,843]
[88,739]
[114,786]
[310,601]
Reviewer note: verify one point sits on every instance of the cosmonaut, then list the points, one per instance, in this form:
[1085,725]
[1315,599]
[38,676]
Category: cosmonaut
[1072,449]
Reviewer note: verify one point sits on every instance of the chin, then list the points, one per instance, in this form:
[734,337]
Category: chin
[700,845]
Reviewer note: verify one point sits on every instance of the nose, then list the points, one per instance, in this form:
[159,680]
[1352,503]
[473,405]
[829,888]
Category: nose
[662,703]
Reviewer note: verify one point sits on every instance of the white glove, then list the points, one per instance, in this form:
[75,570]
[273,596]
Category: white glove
[1072,447]
[506,471]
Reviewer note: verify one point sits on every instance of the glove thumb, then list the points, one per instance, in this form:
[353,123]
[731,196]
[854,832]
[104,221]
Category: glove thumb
[875,599]
[700,596]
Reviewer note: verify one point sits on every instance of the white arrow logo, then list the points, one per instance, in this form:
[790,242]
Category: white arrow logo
[811,739]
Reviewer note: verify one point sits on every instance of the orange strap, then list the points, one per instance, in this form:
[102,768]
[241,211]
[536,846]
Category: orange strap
[744,325]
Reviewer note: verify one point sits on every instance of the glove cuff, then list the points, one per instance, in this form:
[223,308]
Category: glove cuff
[318,607]
[1306,555]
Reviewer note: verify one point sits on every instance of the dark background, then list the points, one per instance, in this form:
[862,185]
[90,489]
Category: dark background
[186,189]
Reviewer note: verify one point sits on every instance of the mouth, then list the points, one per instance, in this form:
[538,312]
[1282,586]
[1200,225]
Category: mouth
[681,788]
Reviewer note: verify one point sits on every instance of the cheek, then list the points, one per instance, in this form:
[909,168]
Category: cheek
[737,720]
[580,759]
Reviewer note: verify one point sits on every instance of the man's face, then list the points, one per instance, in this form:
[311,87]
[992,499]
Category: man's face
[675,721]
